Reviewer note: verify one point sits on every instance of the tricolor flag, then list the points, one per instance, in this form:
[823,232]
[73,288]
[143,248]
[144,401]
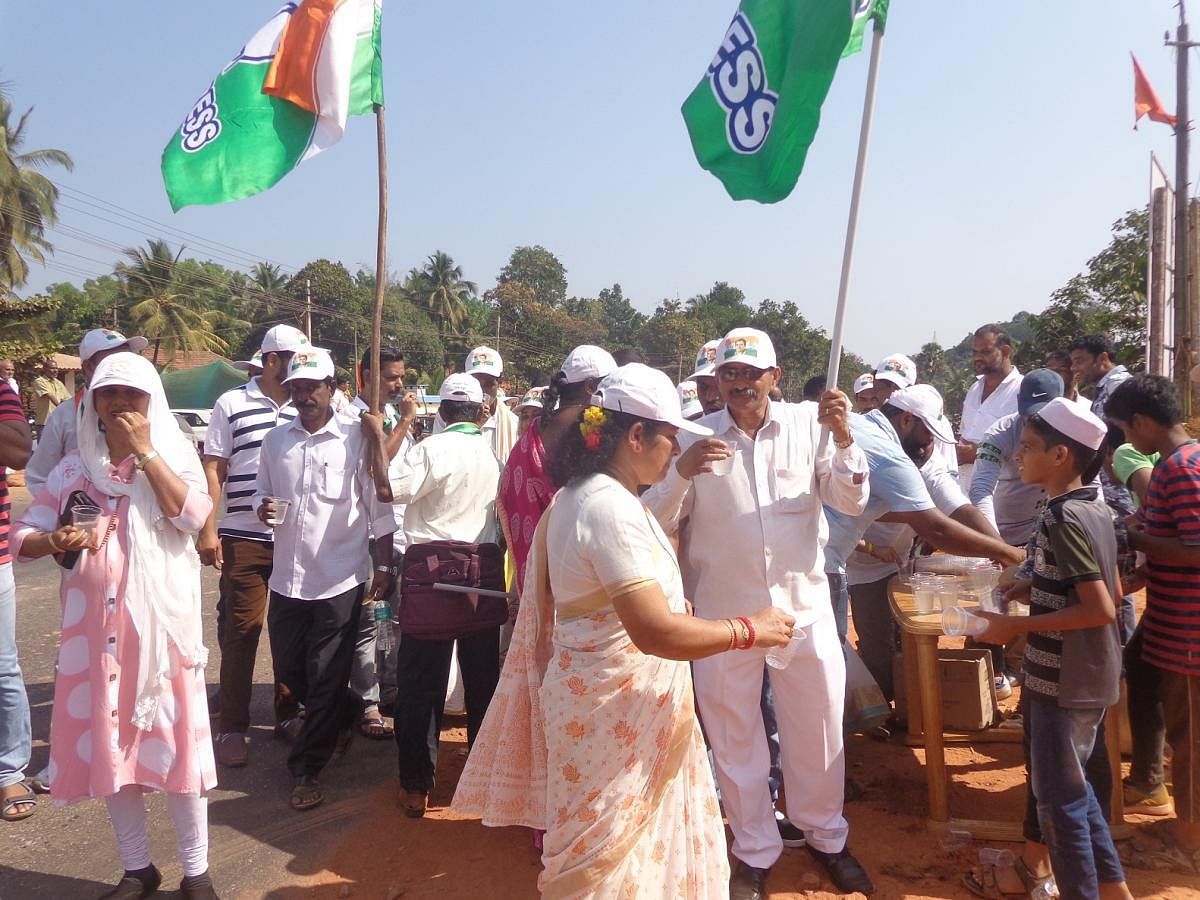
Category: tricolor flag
[284,98]
[1145,99]
[755,112]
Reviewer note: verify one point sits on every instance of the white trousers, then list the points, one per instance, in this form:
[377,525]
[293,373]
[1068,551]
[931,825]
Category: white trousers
[809,696]
[188,812]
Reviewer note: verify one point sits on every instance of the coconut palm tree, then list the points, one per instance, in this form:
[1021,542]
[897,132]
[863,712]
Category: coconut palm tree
[441,289]
[27,199]
[161,307]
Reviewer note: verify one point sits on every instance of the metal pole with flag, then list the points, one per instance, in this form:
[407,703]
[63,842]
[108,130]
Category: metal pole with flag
[756,111]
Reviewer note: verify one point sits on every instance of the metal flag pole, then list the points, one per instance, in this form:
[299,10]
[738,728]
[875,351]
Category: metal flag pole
[860,168]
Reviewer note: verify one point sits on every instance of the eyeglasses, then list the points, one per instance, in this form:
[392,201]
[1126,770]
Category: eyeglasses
[740,373]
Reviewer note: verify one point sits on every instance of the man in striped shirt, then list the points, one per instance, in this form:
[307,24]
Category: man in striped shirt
[1147,408]
[242,547]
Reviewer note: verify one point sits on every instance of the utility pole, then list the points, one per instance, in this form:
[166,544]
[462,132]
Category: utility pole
[114,312]
[308,308]
[1186,319]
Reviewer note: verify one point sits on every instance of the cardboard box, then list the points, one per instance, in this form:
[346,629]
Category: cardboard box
[968,689]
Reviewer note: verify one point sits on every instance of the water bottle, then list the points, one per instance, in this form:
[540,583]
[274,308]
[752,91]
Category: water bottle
[779,657]
[385,634]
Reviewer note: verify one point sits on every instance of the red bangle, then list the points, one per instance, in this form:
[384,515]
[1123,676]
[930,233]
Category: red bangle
[749,629]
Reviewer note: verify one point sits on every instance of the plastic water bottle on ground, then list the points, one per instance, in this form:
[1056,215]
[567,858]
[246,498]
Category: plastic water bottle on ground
[385,634]
[779,657]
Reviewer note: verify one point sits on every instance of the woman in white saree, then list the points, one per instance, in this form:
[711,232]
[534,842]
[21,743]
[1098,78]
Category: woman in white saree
[593,735]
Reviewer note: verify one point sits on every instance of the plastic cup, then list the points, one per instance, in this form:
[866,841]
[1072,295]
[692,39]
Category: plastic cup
[959,622]
[779,657]
[276,510]
[724,466]
[924,590]
[87,518]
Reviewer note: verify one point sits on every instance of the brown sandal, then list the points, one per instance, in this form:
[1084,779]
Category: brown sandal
[413,803]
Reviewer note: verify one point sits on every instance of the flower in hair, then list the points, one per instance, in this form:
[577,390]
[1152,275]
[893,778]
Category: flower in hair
[594,418]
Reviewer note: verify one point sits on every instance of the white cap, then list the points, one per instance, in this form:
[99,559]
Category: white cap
[461,386]
[689,400]
[128,371]
[285,339]
[706,360]
[585,362]
[748,346]
[1074,421]
[532,398]
[254,362]
[646,393]
[862,382]
[106,339]
[483,361]
[312,363]
[898,369]
[924,402]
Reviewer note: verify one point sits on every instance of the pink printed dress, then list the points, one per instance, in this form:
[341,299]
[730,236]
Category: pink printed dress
[95,749]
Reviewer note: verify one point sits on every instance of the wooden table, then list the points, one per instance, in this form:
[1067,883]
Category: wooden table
[919,634]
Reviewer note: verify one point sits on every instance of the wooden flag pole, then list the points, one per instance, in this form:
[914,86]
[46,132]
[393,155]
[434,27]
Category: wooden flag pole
[379,460]
[860,168]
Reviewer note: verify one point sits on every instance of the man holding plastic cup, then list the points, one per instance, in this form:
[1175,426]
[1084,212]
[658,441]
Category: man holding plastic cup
[759,532]
[314,481]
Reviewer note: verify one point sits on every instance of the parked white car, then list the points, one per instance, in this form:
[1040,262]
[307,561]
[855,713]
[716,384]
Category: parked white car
[197,420]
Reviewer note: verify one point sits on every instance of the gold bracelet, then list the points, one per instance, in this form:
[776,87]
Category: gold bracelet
[50,540]
[732,634]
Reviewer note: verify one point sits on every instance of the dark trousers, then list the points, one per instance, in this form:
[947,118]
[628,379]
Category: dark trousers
[878,635]
[1181,712]
[241,612]
[422,673]
[1146,726]
[312,644]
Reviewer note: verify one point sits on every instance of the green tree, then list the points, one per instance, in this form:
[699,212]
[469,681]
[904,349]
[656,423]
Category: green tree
[162,306]
[538,269]
[722,308]
[947,372]
[27,328]
[801,348]
[535,337]
[28,199]
[671,337]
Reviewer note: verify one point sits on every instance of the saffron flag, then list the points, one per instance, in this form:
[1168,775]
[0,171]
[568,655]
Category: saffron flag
[755,112]
[1145,100]
[865,11]
[257,121]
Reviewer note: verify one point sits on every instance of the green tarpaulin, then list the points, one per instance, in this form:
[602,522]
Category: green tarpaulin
[200,387]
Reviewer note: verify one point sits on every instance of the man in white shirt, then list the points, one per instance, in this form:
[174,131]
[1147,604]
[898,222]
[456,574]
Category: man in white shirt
[485,366]
[993,395]
[58,437]
[758,534]
[241,549]
[315,480]
[372,671]
[449,482]
[8,373]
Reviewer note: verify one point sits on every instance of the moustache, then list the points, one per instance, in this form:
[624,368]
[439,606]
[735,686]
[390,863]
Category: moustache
[747,393]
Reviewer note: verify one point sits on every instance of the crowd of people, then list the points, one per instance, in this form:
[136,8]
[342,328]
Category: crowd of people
[640,594]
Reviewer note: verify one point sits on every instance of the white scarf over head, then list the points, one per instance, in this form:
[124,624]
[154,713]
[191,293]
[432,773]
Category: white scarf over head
[162,592]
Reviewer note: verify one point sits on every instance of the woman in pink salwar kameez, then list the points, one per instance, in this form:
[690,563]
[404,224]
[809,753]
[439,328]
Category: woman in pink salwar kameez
[610,760]
[130,712]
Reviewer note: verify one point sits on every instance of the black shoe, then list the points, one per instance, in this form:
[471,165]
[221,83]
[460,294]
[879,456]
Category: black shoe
[135,885]
[748,883]
[846,873]
[790,834]
[196,887]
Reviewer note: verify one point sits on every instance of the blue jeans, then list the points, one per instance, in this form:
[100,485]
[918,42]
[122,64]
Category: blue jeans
[16,736]
[1081,848]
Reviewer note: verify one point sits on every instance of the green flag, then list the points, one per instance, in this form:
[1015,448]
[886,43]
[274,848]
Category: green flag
[865,11]
[238,140]
[754,113]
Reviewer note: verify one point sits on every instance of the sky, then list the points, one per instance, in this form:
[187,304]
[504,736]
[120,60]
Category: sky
[1002,151]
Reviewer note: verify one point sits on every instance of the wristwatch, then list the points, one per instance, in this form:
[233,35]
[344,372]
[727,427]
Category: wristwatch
[141,461]
[388,570]
[842,445]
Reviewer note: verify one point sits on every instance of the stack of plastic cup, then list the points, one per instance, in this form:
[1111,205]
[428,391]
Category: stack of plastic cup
[924,590]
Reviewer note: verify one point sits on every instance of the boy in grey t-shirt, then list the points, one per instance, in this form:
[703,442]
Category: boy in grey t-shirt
[1073,657]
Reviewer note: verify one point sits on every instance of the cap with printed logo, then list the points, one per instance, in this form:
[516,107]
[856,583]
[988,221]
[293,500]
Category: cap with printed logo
[746,346]
[706,360]
[254,362]
[99,339]
[898,369]
[311,364]
[689,400]
[863,382]
[924,402]
[587,361]
[1038,387]
[461,386]
[646,393]
[1075,422]
[532,398]
[286,339]
[484,361]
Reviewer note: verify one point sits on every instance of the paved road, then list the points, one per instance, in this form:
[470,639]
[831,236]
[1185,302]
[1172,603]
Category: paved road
[258,844]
